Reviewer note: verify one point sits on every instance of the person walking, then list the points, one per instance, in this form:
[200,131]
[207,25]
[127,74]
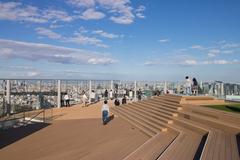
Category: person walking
[105,112]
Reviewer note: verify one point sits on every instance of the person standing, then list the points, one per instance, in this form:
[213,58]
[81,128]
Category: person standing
[62,100]
[130,94]
[84,99]
[111,94]
[188,85]
[92,96]
[139,95]
[67,100]
[124,100]
[105,112]
[194,86]
[106,95]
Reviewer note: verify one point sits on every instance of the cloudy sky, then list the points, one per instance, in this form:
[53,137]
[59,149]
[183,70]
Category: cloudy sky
[120,39]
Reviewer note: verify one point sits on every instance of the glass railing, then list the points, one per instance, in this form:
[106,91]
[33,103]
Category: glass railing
[27,96]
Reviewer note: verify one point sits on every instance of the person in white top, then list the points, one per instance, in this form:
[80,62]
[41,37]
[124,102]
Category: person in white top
[93,96]
[111,94]
[188,85]
[130,94]
[105,112]
[67,99]
[84,99]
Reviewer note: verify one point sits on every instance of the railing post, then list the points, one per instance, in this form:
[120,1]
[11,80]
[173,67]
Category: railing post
[112,85]
[90,87]
[59,94]
[8,96]
[165,87]
[135,90]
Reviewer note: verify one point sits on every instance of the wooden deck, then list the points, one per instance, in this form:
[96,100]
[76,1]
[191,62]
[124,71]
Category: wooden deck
[160,128]
[77,133]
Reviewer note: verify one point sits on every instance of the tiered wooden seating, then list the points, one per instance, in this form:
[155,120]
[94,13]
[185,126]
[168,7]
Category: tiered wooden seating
[190,133]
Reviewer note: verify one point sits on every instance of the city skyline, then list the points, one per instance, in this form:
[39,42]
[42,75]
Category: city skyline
[120,39]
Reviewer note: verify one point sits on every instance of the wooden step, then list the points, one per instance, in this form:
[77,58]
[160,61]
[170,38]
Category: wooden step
[153,112]
[218,144]
[156,110]
[160,126]
[184,146]
[215,123]
[150,115]
[155,128]
[224,116]
[141,126]
[160,107]
[170,99]
[166,102]
[164,105]
[154,147]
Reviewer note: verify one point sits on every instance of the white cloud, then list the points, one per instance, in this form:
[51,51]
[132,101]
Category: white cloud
[150,63]
[48,33]
[216,51]
[228,51]
[78,37]
[91,14]
[213,52]
[82,3]
[16,11]
[53,26]
[230,45]
[221,62]
[163,40]
[34,52]
[197,47]
[33,73]
[190,62]
[120,10]
[139,11]
[57,15]
[105,34]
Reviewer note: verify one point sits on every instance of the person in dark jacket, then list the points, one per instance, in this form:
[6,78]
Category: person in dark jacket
[124,100]
[194,86]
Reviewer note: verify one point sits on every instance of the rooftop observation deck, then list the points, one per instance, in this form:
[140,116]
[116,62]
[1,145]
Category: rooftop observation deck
[165,127]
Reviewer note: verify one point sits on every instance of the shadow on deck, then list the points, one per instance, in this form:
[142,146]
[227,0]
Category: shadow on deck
[12,135]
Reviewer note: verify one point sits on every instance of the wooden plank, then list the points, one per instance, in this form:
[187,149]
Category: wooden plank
[153,147]
[228,151]
[234,148]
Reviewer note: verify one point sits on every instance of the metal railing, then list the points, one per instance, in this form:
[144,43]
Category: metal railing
[27,95]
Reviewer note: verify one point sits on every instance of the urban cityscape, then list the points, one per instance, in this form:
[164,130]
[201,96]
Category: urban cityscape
[37,94]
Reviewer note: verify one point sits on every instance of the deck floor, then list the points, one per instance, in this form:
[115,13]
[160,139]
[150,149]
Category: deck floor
[77,133]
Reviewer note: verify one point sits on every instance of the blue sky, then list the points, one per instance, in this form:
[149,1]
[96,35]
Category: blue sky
[120,39]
